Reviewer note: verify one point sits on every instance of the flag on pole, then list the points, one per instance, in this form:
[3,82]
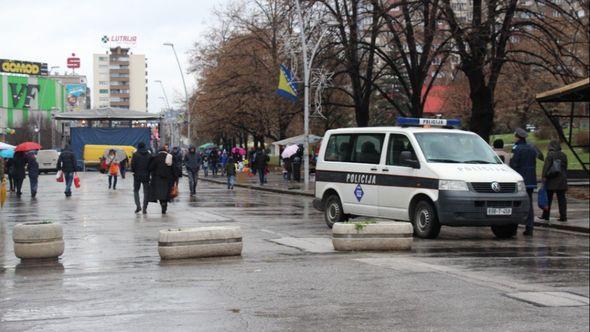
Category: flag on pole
[287,86]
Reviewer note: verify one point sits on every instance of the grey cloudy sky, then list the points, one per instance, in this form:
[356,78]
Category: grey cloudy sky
[49,31]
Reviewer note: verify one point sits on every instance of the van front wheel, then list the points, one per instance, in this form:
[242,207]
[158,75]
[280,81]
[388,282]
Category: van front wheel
[425,221]
[333,211]
[505,231]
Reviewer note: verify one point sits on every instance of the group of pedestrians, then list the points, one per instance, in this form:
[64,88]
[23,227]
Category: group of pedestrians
[18,167]
[554,174]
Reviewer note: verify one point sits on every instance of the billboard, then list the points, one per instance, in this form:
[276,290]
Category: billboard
[119,40]
[19,95]
[23,67]
[76,96]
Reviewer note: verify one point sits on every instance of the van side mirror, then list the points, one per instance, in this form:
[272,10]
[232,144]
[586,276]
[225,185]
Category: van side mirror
[405,159]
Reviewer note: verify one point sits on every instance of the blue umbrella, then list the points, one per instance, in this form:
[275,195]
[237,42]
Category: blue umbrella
[7,153]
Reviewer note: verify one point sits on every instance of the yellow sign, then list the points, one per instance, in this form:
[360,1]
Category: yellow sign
[23,67]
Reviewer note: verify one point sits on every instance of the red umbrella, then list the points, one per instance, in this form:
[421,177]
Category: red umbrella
[27,146]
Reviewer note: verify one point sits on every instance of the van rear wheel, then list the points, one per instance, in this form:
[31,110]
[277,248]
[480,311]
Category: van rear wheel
[333,211]
[505,231]
[425,221]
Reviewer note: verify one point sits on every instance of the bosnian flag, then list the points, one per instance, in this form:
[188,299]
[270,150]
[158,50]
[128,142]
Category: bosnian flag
[287,86]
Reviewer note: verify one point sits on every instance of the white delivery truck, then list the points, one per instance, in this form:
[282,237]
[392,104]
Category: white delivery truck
[422,174]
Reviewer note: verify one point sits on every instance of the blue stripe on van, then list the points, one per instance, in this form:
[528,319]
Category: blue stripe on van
[376,179]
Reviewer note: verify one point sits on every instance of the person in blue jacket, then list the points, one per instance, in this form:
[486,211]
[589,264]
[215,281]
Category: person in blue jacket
[524,161]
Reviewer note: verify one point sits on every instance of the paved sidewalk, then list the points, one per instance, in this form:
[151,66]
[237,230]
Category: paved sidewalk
[578,209]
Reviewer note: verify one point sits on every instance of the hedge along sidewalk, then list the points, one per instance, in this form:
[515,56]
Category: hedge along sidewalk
[578,209]
[275,184]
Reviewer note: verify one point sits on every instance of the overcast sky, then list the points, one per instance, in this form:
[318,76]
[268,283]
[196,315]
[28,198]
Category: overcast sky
[49,31]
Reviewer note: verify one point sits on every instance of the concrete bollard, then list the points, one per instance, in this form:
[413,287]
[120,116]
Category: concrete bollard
[379,236]
[198,242]
[38,240]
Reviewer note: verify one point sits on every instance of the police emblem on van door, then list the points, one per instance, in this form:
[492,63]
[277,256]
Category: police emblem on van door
[358,192]
[496,187]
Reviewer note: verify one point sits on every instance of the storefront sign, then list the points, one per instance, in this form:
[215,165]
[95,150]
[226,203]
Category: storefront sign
[119,40]
[23,67]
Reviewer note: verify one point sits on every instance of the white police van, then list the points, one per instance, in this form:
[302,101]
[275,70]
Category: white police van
[428,176]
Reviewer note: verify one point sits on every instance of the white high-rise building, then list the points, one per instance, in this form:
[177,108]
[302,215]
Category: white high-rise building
[120,80]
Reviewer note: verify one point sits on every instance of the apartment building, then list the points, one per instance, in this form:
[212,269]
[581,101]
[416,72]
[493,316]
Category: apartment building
[120,80]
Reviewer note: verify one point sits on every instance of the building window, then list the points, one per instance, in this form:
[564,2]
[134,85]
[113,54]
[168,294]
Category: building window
[103,66]
[103,83]
[103,58]
[103,91]
[103,99]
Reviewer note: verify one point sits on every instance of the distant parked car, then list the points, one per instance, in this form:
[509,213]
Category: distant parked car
[47,160]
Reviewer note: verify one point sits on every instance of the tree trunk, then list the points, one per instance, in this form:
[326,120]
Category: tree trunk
[362,115]
[482,109]
[415,100]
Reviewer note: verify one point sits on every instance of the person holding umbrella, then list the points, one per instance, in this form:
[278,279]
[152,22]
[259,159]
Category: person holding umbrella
[113,168]
[19,162]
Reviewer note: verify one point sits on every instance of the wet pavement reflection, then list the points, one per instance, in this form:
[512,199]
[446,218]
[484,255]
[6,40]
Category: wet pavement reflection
[111,276]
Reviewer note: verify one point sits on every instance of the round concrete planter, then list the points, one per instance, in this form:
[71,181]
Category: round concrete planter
[200,242]
[38,240]
[379,236]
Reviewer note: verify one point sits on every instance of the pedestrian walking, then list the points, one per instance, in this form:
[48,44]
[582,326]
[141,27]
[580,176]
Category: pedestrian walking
[192,162]
[140,166]
[223,160]
[524,161]
[555,179]
[162,178]
[260,164]
[206,163]
[499,149]
[66,163]
[176,164]
[230,172]
[288,173]
[123,166]
[19,172]
[113,169]
[213,161]
[9,170]
[296,160]
[33,170]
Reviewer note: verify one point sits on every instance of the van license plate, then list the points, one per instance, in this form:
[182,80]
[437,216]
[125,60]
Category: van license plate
[499,211]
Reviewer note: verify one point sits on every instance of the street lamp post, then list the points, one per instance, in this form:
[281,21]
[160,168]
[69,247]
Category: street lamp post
[307,63]
[164,93]
[185,91]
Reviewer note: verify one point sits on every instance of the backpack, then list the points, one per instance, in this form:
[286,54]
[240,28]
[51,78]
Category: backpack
[555,169]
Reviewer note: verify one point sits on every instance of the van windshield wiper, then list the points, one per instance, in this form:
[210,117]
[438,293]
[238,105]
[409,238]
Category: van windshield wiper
[477,162]
[445,161]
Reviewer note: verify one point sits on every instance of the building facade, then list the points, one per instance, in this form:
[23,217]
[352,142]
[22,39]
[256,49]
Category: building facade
[77,91]
[120,80]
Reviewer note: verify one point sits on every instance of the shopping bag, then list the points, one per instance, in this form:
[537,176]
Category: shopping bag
[542,199]
[59,177]
[174,191]
[114,169]
[76,180]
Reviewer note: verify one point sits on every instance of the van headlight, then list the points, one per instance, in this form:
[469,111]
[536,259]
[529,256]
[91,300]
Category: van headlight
[456,185]
[520,187]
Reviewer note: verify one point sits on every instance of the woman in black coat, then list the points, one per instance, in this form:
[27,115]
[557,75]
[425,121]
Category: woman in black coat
[162,178]
[555,179]
[19,163]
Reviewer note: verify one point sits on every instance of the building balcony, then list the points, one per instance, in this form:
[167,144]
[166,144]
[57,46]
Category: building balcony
[120,79]
[120,95]
[119,71]
[119,62]
[120,104]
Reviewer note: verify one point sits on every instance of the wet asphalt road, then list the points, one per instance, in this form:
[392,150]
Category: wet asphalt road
[111,278]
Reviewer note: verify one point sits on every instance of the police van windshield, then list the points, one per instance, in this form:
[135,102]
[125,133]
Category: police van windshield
[456,148]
